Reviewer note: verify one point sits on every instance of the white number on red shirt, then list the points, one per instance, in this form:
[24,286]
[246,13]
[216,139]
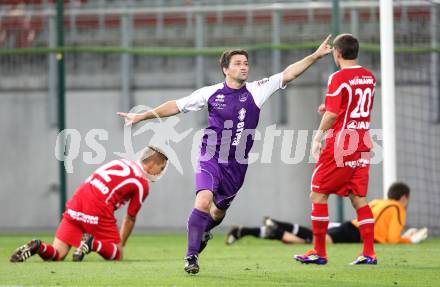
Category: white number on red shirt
[362,110]
[105,172]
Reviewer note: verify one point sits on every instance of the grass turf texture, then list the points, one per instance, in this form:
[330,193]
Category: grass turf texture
[157,260]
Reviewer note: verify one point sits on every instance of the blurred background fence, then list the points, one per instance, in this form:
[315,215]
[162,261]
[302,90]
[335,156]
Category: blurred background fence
[122,53]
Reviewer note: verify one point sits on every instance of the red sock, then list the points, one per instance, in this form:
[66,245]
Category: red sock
[366,229]
[319,227]
[109,251]
[48,253]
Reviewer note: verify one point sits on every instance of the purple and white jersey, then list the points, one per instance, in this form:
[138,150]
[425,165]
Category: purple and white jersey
[233,116]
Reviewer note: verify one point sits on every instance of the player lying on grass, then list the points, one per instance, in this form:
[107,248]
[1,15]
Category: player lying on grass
[233,114]
[389,216]
[89,222]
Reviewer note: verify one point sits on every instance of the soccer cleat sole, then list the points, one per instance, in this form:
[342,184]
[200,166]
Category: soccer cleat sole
[192,269]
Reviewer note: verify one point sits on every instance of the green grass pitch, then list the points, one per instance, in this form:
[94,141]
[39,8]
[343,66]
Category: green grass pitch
[157,260]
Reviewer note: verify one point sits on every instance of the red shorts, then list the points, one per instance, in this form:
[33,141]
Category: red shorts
[86,214]
[349,175]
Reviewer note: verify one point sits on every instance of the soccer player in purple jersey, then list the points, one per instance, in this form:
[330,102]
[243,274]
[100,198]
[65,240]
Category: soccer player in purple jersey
[233,113]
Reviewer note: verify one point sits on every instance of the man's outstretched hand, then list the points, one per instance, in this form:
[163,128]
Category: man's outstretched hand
[130,118]
[324,49]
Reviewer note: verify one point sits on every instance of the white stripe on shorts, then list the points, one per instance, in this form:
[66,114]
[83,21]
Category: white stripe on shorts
[313,175]
[366,221]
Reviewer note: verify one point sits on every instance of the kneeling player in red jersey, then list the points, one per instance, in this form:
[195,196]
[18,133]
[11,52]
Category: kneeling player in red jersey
[343,165]
[89,222]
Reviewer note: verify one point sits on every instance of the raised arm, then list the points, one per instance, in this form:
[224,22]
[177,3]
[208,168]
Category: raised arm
[296,69]
[167,109]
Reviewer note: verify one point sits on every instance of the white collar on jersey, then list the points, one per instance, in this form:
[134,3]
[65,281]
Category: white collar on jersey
[352,67]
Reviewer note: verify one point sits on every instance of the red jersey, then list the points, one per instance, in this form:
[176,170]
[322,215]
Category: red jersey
[91,209]
[118,182]
[350,95]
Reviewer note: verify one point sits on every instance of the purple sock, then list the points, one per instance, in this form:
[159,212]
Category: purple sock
[212,223]
[197,223]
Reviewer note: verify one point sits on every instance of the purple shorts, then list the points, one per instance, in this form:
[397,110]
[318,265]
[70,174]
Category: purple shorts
[223,180]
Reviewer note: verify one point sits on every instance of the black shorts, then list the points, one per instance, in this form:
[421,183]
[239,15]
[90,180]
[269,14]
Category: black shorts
[345,233]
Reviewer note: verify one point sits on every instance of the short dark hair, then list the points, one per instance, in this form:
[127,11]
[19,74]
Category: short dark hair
[225,59]
[397,190]
[347,45]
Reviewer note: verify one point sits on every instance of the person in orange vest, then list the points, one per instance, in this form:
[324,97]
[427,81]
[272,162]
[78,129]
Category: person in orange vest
[389,216]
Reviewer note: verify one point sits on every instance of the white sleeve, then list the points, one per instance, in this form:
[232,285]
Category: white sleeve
[262,90]
[194,102]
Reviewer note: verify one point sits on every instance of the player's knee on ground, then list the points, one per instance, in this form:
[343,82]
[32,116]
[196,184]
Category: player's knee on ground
[116,257]
[108,250]
[115,254]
